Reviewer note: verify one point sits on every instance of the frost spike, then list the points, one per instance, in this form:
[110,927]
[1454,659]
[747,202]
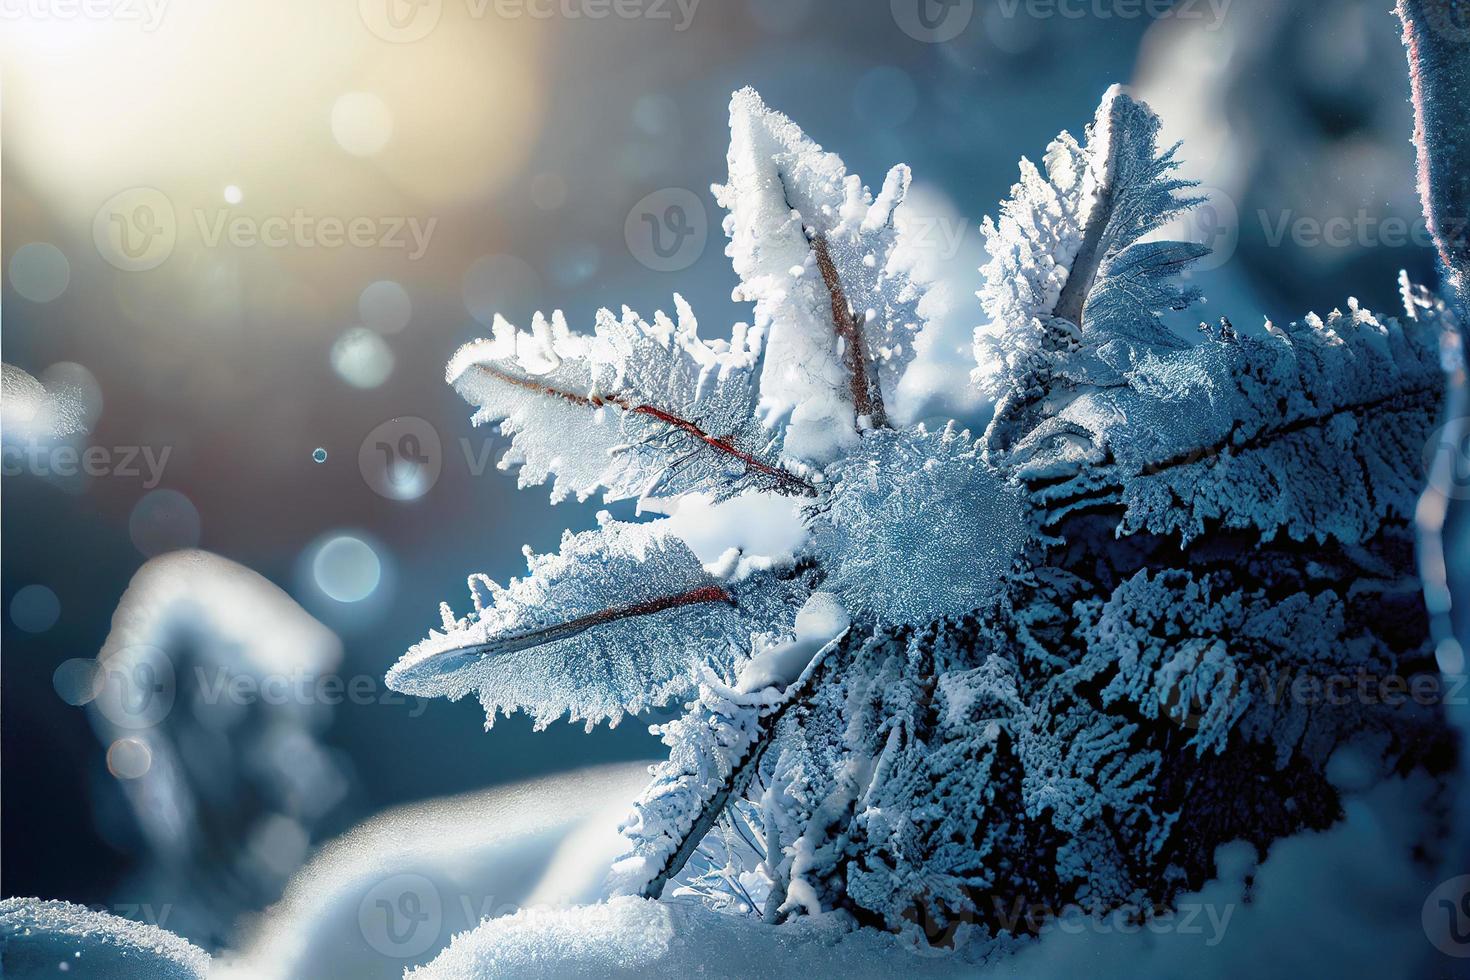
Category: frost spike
[783,476]
[867,397]
[457,657]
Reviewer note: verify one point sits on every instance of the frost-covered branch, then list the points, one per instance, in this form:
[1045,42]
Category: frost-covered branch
[1437,36]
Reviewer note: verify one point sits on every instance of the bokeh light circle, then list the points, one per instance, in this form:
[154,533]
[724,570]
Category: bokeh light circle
[384,306]
[39,271]
[129,758]
[34,608]
[347,568]
[362,358]
[164,520]
[77,681]
[362,123]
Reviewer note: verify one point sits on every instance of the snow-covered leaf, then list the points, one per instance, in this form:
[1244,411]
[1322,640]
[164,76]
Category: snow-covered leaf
[636,409]
[620,619]
[833,279]
[1068,270]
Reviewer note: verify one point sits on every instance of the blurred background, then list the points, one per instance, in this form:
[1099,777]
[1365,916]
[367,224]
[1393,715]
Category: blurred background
[241,240]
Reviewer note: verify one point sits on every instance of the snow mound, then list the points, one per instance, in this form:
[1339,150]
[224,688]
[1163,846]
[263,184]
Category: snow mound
[636,937]
[390,893]
[44,939]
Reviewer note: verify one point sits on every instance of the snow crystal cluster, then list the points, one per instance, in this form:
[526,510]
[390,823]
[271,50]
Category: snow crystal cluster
[55,938]
[1057,664]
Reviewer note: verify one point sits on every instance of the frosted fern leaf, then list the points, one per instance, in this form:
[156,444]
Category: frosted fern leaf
[1044,665]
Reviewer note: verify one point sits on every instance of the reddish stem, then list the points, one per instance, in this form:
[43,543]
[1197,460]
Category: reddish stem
[562,631]
[716,443]
[867,398]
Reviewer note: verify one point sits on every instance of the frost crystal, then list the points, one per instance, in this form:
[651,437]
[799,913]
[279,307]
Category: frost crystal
[1057,665]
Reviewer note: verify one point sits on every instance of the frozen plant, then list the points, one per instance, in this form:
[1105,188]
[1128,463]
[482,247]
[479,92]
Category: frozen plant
[930,678]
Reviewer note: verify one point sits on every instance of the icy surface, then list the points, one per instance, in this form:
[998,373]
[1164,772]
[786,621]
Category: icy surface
[49,939]
[1311,907]
[32,412]
[918,526]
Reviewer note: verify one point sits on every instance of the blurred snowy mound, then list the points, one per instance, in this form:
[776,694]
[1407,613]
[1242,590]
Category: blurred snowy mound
[32,410]
[49,939]
[390,894]
[209,695]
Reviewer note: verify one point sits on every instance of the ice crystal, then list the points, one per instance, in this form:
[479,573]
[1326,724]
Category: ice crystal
[1055,664]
